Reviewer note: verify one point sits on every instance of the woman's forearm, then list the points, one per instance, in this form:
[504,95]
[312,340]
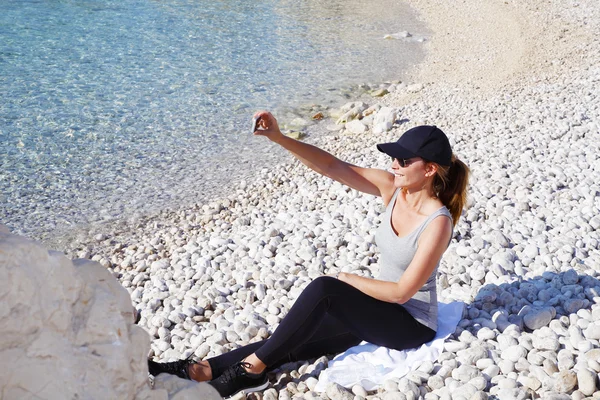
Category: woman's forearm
[311,156]
[381,290]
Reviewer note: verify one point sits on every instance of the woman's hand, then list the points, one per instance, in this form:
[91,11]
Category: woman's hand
[267,126]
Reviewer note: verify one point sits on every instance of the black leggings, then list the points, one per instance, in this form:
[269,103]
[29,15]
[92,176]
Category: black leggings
[328,317]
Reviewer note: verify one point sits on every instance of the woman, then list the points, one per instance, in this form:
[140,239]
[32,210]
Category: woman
[424,197]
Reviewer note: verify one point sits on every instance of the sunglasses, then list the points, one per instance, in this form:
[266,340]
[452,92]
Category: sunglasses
[405,162]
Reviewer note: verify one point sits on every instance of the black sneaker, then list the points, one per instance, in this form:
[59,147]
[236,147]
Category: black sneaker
[236,378]
[179,368]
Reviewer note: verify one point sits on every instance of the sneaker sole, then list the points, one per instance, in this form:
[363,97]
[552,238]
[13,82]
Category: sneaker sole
[251,390]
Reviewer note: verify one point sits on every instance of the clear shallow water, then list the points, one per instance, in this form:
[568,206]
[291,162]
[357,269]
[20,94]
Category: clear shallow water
[118,107]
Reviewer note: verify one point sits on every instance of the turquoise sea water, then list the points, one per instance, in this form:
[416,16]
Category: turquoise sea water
[117,107]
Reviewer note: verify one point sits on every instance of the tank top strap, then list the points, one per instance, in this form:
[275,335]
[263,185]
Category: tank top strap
[393,199]
[441,211]
[390,206]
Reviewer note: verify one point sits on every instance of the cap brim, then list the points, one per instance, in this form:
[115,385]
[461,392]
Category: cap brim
[395,150]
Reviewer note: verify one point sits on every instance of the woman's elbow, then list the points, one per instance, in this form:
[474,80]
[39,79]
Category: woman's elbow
[401,295]
[400,298]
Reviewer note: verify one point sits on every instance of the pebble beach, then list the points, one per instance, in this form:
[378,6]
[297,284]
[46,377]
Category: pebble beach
[516,88]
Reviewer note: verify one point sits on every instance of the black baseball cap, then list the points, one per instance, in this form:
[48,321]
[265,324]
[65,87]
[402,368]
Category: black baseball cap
[427,142]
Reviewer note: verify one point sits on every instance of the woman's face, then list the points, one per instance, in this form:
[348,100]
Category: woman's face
[410,172]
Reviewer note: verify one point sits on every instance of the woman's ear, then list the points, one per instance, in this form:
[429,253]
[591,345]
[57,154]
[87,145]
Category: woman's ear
[430,169]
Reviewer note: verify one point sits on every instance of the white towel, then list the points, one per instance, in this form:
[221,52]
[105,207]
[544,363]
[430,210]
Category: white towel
[369,365]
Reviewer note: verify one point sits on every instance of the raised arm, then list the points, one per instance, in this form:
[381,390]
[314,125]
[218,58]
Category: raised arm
[368,180]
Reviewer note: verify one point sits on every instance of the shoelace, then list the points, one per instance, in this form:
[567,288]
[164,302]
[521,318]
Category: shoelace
[235,370]
[177,366]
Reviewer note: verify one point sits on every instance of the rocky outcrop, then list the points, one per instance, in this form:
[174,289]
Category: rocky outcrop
[67,332]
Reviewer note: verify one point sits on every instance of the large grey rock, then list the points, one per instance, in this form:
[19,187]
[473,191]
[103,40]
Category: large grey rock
[67,331]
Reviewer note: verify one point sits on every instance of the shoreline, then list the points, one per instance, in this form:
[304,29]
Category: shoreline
[271,158]
[524,121]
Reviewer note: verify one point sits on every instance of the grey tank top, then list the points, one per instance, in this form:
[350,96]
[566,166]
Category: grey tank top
[396,255]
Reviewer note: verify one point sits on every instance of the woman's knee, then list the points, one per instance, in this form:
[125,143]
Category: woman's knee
[322,285]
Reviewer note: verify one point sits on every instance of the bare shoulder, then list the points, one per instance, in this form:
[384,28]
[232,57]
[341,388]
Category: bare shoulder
[438,231]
